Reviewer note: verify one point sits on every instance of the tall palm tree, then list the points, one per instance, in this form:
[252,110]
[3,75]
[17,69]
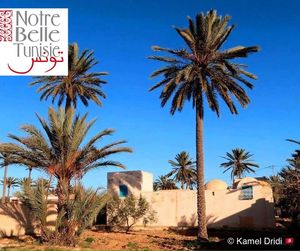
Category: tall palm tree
[203,70]
[79,84]
[164,183]
[10,183]
[239,161]
[61,151]
[4,162]
[183,169]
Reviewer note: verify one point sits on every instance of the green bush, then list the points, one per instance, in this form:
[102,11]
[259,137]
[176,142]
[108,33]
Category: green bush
[89,239]
[127,212]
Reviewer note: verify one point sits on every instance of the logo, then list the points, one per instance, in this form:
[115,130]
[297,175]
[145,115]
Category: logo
[289,241]
[6,25]
[34,42]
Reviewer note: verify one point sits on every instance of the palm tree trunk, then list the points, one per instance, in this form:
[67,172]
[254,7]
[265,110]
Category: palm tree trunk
[62,194]
[201,207]
[29,173]
[48,188]
[68,103]
[8,188]
[4,184]
[67,230]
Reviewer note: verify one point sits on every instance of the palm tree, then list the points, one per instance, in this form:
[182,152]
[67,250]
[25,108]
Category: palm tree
[4,162]
[290,191]
[202,71]
[29,168]
[25,182]
[239,162]
[183,169]
[45,182]
[10,183]
[276,183]
[296,155]
[164,183]
[79,84]
[61,152]
[294,141]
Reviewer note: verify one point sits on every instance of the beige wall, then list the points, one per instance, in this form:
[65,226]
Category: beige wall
[16,219]
[173,207]
[147,182]
[224,208]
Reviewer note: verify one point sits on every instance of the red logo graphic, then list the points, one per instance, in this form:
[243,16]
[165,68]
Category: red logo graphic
[6,25]
[289,241]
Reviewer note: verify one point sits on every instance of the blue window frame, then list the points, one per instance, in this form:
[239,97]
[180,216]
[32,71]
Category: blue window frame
[123,190]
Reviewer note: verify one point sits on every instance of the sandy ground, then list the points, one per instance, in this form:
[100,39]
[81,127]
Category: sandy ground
[103,240]
[154,240]
[139,240]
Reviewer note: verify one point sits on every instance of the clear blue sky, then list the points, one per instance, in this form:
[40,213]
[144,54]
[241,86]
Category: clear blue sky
[122,32]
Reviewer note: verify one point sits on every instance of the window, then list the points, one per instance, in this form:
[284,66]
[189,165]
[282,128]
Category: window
[246,193]
[123,190]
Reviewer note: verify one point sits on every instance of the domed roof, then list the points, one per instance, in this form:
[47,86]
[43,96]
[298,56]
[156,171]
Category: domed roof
[216,185]
[246,181]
